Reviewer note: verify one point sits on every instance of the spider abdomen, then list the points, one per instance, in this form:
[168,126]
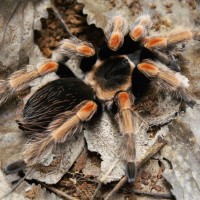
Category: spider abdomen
[50,100]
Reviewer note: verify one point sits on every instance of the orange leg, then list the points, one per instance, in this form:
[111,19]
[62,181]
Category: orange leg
[127,127]
[75,47]
[61,129]
[116,29]
[166,41]
[19,80]
[167,80]
[140,28]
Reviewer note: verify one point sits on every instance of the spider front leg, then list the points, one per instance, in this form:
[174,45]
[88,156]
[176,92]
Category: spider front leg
[52,116]
[159,42]
[140,28]
[74,47]
[151,45]
[167,80]
[128,127]
[19,80]
[116,29]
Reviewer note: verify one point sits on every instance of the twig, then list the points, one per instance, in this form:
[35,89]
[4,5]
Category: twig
[58,192]
[156,195]
[151,152]
[103,178]
[97,190]
[18,184]
[58,16]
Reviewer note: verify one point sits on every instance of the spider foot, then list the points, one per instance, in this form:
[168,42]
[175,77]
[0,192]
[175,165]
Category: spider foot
[15,167]
[131,171]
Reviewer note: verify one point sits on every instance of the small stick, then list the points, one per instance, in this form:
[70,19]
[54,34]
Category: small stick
[156,195]
[58,192]
[97,190]
[58,16]
[18,184]
[103,178]
[150,152]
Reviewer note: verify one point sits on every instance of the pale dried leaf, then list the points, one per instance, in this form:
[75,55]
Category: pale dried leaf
[104,138]
[24,191]
[183,152]
[19,20]
[59,161]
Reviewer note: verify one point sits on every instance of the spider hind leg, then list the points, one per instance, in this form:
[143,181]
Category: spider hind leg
[61,129]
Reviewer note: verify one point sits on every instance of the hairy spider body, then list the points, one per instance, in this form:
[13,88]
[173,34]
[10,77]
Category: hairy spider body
[56,97]
[54,114]
[119,71]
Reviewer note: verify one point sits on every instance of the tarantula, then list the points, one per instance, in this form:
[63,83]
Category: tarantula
[58,110]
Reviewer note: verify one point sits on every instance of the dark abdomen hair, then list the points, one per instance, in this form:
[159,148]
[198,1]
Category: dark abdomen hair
[53,98]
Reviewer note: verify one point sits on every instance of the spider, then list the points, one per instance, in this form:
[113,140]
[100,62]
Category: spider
[113,80]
